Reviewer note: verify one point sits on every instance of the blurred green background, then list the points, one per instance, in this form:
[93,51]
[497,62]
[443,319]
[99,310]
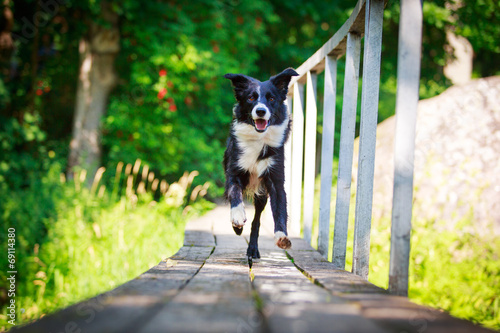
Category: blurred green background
[167,110]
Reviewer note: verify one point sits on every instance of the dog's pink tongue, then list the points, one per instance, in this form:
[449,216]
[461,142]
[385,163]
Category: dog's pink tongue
[261,124]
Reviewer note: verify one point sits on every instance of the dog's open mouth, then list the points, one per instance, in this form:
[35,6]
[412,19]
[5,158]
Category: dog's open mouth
[260,124]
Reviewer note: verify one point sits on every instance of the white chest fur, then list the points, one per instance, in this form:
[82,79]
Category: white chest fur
[252,143]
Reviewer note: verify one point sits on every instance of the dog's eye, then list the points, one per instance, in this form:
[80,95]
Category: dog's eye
[251,99]
[271,99]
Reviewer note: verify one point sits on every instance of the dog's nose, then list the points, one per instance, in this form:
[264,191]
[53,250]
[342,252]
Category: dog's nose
[260,112]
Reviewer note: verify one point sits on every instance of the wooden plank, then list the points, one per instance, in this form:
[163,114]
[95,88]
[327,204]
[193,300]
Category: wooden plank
[346,149]
[218,299]
[410,41]
[297,159]
[310,154]
[390,313]
[327,274]
[291,303]
[327,154]
[335,46]
[130,304]
[397,314]
[367,136]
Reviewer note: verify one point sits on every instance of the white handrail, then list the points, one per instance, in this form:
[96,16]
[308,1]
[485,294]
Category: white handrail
[366,19]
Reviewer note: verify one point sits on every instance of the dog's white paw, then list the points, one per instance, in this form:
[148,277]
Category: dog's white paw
[238,216]
[282,241]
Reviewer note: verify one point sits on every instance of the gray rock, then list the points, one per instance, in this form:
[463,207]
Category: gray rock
[457,157]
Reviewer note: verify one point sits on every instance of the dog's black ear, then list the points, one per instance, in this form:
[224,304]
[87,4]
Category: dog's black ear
[282,80]
[240,83]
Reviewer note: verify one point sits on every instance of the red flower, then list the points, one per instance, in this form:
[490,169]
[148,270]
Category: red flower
[172,108]
[162,93]
[39,92]
[162,72]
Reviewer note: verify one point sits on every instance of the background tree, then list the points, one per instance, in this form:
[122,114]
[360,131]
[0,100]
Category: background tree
[98,49]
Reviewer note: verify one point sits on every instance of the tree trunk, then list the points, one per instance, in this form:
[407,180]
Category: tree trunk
[6,25]
[97,77]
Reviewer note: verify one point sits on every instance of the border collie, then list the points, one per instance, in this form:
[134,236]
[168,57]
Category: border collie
[254,157]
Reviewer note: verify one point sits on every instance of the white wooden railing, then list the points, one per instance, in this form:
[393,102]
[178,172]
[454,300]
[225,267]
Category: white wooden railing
[366,20]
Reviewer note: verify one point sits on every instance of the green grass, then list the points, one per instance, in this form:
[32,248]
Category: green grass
[456,269]
[82,241]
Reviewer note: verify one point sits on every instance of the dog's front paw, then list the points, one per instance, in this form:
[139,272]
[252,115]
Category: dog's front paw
[253,252]
[238,217]
[282,241]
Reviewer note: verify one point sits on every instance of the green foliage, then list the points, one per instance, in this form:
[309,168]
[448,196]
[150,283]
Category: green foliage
[174,109]
[469,261]
[478,22]
[73,242]
[22,155]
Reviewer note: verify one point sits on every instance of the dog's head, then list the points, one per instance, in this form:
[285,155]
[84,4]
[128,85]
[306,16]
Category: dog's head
[261,103]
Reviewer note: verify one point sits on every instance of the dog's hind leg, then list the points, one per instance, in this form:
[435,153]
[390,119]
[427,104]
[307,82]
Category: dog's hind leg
[253,248]
[235,197]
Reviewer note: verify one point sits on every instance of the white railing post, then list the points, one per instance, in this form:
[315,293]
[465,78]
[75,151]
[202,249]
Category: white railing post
[327,153]
[367,135]
[310,154]
[346,148]
[409,47]
[297,159]
[367,18]
[288,160]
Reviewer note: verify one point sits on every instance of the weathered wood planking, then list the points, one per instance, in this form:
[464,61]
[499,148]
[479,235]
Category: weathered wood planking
[346,148]
[310,154]
[409,46]
[367,136]
[200,291]
[218,299]
[390,313]
[327,145]
[291,303]
[125,308]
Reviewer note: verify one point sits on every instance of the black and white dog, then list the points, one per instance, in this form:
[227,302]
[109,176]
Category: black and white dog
[254,158]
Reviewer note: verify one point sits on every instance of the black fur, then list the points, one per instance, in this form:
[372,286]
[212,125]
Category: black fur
[257,154]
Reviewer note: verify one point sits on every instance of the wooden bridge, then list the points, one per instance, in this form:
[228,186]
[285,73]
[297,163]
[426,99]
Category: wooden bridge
[208,285]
